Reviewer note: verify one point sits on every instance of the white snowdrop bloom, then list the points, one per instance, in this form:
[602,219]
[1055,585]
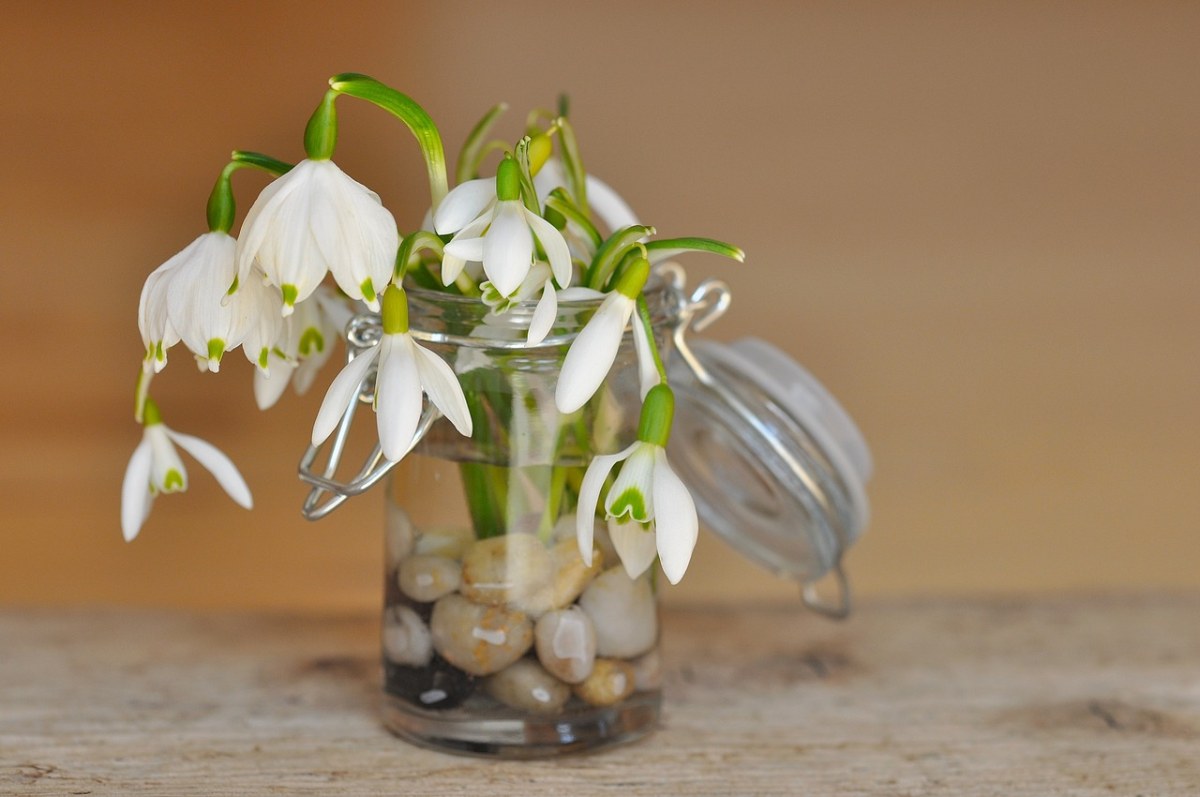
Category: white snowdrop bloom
[648,507]
[259,306]
[153,321]
[198,284]
[307,341]
[538,281]
[500,234]
[156,467]
[406,370]
[313,220]
[595,347]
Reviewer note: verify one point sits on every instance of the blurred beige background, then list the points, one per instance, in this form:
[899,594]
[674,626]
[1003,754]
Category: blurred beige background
[978,223]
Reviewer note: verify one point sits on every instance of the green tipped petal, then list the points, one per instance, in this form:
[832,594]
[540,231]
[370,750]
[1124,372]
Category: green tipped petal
[311,342]
[632,501]
[173,481]
[216,348]
[290,292]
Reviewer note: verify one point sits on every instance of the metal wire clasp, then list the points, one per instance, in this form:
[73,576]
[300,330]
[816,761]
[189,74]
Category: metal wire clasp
[363,333]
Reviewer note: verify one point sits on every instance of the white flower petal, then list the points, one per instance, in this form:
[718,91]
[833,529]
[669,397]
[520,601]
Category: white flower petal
[164,460]
[543,316]
[647,368]
[579,294]
[592,353]
[135,491]
[632,491]
[342,391]
[219,465]
[589,496]
[608,205]
[556,247]
[465,249]
[508,247]
[463,204]
[676,523]
[397,396]
[635,545]
[443,388]
[269,385]
[259,223]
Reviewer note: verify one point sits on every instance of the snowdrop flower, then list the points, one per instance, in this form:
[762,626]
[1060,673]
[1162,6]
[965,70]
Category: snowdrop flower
[153,322]
[155,467]
[649,509]
[313,220]
[195,310]
[304,347]
[406,369]
[595,347]
[497,230]
[258,304]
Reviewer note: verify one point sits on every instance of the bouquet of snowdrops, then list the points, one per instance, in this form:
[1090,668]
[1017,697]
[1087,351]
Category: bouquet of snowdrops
[318,248]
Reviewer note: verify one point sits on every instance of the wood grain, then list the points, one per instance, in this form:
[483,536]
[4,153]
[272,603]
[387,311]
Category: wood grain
[1065,697]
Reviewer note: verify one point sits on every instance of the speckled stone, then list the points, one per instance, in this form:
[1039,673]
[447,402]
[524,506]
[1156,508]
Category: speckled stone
[450,542]
[566,644]
[507,569]
[525,685]
[571,575]
[406,638]
[399,536]
[564,529]
[611,682]
[647,671]
[623,613]
[476,638]
[426,577]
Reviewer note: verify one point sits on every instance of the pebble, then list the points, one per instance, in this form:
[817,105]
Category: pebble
[611,682]
[571,575]
[647,672]
[478,639]
[437,686]
[406,639]
[399,536]
[451,542]
[506,569]
[565,529]
[623,612]
[526,686]
[566,644]
[427,577]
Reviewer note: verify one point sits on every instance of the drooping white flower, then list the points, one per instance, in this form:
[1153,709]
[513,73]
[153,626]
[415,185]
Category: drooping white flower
[305,345]
[595,347]
[258,304]
[648,507]
[156,467]
[205,324]
[494,228]
[154,322]
[406,370]
[313,220]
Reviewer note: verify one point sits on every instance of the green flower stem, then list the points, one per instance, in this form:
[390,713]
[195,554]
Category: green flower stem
[474,150]
[221,208]
[560,201]
[411,114]
[410,248]
[610,253]
[572,164]
[141,394]
[669,247]
[643,311]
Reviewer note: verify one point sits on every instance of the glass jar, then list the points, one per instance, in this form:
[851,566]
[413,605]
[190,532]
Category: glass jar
[497,638]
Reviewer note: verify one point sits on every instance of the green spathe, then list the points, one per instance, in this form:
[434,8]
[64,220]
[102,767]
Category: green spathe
[395,311]
[658,412]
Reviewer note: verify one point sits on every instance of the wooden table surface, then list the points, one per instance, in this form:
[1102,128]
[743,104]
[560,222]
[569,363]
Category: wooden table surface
[1064,696]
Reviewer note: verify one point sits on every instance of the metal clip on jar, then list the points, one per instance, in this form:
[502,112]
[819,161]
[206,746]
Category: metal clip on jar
[497,638]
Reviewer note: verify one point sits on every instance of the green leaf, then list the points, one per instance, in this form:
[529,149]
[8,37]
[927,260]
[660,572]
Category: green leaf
[666,248]
[572,164]
[411,114]
[474,150]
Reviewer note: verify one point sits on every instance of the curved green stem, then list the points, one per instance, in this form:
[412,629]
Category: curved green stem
[643,311]
[610,253]
[411,114]
[560,201]
[666,248]
[221,209]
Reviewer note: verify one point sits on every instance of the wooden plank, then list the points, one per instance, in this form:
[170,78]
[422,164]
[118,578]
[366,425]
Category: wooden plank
[1051,697]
